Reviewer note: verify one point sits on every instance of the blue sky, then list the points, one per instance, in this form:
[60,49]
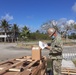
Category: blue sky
[34,13]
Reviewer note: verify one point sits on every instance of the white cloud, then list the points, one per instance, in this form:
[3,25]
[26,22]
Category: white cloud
[7,17]
[70,22]
[74,7]
[62,21]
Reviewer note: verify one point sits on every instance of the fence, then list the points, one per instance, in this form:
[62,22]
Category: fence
[69,56]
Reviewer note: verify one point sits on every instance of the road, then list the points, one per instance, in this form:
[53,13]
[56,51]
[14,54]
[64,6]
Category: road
[9,51]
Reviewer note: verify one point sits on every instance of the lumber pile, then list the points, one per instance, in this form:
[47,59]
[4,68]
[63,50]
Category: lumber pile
[23,66]
[68,71]
[27,65]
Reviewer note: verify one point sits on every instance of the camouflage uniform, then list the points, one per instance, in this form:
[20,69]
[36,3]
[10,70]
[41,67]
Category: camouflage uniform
[56,55]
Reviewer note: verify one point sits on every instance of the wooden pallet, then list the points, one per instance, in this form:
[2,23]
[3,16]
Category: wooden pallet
[68,71]
[23,66]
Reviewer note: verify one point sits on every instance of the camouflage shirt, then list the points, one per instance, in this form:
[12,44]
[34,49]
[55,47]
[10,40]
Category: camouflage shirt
[56,45]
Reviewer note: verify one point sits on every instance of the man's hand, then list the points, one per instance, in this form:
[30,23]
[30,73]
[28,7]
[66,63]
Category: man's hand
[48,47]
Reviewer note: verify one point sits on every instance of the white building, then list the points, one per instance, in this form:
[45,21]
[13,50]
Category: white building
[5,37]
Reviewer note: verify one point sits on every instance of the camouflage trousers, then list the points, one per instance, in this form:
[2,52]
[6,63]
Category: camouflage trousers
[56,66]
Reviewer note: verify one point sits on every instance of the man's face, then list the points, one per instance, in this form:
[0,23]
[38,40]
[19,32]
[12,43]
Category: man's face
[53,37]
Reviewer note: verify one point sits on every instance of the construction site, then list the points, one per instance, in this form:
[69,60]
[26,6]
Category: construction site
[37,37]
[18,61]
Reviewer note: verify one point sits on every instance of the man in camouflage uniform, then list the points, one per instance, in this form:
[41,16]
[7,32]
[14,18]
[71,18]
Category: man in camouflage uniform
[56,51]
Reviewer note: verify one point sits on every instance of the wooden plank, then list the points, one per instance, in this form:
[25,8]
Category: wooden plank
[68,70]
[36,70]
[3,62]
[43,72]
[39,68]
[9,60]
[69,73]
[1,68]
[29,69]
[5,69]
[6,61]
[20,59]
[14,70]
[28,66]
[11,69]
[28,57]
[23,60]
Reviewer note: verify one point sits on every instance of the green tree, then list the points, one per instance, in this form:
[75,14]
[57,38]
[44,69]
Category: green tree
[72,36]
[74,26]
[5,26]
[25,33]
[37,31]
[15,31]
[38,36]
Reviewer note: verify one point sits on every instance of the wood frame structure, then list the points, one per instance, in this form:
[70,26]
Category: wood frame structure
[23,66]
[68,71]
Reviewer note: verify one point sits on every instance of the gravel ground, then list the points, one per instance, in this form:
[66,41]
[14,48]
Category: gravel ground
[8,51]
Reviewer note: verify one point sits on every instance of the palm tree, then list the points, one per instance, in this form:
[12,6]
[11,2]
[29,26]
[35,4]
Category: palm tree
[15,31]
[25,33]
[5,27]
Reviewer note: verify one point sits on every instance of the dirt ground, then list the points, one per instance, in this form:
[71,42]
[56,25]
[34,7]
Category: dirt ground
[10,51]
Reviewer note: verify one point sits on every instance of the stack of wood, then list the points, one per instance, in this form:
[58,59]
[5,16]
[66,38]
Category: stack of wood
[23,66]
[27,65]
[68,71]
